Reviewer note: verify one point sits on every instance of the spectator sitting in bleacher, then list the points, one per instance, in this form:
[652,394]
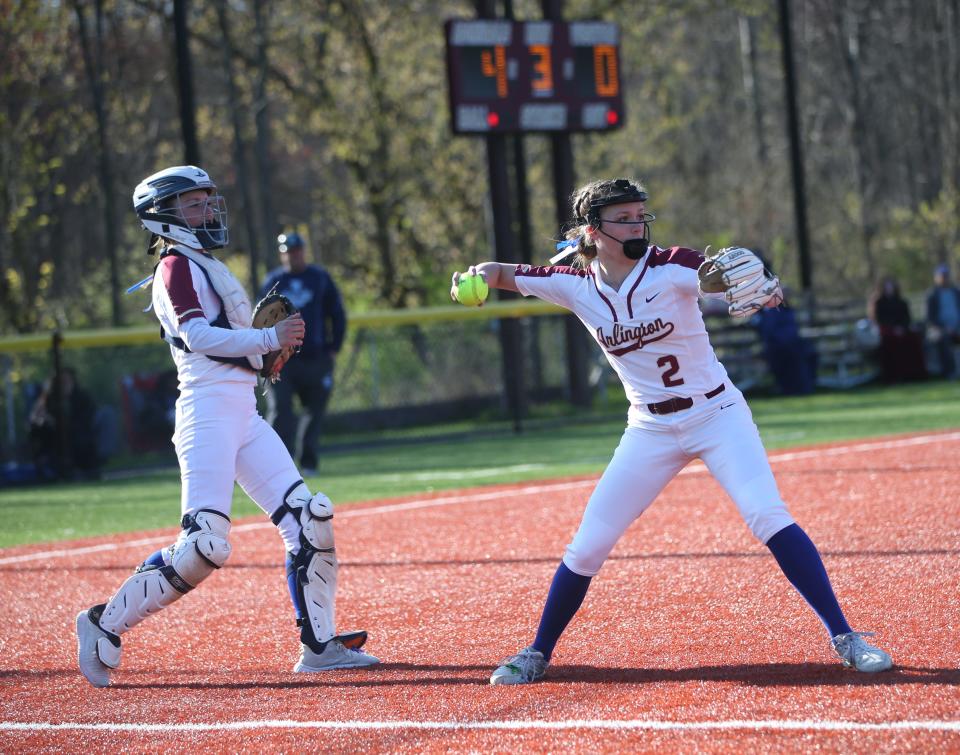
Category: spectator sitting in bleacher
[943,320]
[790,357]
[901,347]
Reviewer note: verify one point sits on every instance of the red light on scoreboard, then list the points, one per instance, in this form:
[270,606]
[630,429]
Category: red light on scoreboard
[527,76]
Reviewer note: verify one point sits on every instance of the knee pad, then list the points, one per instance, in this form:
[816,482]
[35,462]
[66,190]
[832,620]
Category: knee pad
[313,514]
[201,548]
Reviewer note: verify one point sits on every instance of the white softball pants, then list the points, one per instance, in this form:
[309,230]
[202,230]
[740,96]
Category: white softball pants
[220,439]
[650,455]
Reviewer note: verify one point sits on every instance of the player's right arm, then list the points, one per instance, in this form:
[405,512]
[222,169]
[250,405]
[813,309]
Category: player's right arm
[497,275]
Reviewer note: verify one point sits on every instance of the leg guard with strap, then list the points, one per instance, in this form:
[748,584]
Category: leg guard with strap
[201,548]
[312,569]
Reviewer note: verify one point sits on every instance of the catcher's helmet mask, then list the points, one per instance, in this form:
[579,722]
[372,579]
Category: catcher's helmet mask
[163,218]
[623,192]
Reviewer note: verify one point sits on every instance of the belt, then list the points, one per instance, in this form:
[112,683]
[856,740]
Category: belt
[672,405]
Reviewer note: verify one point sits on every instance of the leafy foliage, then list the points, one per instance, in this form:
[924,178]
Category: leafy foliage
[359,157]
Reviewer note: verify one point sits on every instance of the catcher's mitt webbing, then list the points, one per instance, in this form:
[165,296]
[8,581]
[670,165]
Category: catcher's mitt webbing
[271,309]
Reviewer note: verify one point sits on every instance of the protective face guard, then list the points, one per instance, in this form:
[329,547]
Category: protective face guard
[171,223]
[633,249]
[626,192]
[213,234]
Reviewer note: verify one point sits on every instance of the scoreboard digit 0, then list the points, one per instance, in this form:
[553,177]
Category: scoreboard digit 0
[518,76]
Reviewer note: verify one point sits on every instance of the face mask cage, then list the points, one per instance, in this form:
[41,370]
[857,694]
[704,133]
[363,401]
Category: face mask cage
[633,248]
[213,232]
[623,192]
[201,225]
[648,218]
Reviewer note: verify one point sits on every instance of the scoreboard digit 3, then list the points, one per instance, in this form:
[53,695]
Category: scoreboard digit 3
[518,76]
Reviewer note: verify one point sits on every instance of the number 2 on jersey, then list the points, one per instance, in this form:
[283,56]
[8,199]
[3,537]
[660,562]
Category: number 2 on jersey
[668,379]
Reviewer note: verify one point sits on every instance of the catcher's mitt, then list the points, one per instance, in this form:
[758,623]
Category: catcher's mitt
[740,276]
[270,310]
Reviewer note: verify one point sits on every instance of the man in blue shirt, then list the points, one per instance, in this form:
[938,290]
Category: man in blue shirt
[309,374]
[943,319]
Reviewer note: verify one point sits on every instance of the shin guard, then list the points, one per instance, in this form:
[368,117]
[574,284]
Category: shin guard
[201,548]
[312,569]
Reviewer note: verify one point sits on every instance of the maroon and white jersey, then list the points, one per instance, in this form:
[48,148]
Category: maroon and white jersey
[651,329]
[186,304]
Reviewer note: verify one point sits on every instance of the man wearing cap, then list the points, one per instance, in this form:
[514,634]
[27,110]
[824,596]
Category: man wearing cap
[943,319]
[309,374]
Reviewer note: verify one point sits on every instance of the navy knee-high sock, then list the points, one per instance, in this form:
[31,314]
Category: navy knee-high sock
[154,560]
[801,563]
[566,594]
[292,586]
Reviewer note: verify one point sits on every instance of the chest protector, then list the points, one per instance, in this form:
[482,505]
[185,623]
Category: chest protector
[235,309]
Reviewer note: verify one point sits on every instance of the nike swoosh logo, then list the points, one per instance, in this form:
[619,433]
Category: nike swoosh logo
[651,298]
[725,406]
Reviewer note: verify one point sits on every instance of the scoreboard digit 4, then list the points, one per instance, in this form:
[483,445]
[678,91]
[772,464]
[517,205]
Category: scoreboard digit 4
[518,76]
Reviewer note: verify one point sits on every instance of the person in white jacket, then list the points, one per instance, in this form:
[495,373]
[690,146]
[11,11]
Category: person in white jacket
[219,438]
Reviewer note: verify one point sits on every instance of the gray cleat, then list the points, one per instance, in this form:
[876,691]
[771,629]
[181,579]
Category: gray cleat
[97,650]
[527,666]
[335,655]
[855,652]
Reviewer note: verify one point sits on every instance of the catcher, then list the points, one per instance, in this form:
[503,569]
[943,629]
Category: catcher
[220,347]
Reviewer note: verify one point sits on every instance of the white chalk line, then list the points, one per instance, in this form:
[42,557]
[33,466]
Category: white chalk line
[513,725]
[452,500]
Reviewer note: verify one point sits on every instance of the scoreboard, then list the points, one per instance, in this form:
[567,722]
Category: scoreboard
[517,76]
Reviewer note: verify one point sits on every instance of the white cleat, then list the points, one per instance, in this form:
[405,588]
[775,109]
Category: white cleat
[335,655]
[96,654]
[856,652]
[527,666]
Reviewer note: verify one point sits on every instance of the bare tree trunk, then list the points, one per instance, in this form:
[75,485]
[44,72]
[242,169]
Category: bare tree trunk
[94,68]
[377,181]
[947,18]
[188,118]
[233,103]
[751,82]
[262,119]
[849,28]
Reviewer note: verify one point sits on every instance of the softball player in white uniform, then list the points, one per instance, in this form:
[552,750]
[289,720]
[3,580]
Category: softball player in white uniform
[641,305]
[219,438]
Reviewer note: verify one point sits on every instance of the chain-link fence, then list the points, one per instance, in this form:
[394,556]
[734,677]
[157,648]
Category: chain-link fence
[393,372]
[412,370]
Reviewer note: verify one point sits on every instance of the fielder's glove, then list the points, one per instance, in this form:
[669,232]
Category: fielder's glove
[740,276]
[270,310]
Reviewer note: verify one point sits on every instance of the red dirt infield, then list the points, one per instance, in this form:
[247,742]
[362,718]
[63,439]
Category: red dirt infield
[690,639]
